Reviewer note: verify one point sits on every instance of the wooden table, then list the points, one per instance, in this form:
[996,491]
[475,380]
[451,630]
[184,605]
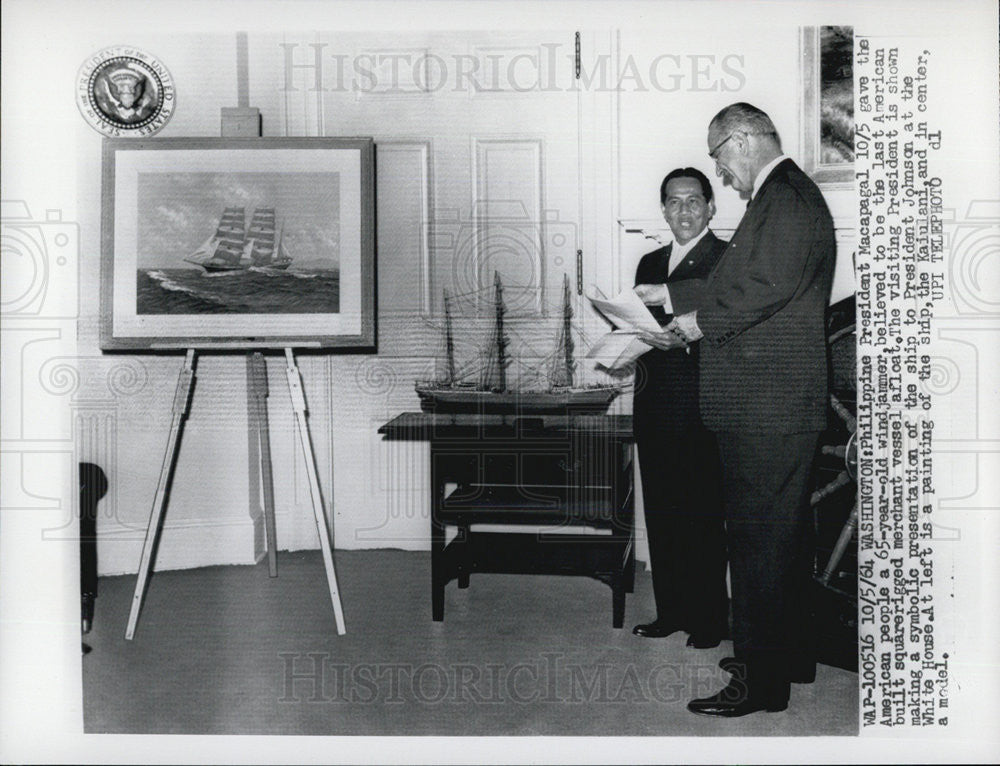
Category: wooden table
[564,473]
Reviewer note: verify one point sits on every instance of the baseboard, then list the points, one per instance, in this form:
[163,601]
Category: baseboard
[191,543]
[184,544]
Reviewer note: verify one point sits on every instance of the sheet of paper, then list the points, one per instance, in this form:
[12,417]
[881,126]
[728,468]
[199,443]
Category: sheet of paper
[626,311]
[616,350]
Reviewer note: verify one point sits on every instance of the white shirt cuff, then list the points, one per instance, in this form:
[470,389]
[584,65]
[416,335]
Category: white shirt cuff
[668,305]
[688,324]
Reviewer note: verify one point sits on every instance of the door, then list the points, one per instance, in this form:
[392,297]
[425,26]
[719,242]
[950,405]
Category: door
[491,159]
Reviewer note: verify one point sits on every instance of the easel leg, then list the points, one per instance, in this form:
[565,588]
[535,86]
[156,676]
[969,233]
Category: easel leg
[299,407]
[257,395]
[255,506]
[181,398]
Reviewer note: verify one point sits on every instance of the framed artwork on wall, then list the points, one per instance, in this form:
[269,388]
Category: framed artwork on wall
[238,243]
[827,55]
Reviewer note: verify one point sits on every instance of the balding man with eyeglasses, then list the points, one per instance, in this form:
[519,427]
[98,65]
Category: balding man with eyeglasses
[763,393]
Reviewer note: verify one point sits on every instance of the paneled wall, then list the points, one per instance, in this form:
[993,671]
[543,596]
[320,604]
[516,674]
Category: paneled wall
[497,161]
[464,188]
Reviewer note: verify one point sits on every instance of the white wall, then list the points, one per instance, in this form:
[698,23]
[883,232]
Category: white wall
[665,127]
[430,167]
[124,400]
[377,490]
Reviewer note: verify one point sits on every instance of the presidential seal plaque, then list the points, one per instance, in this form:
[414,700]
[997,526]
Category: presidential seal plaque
[122,91]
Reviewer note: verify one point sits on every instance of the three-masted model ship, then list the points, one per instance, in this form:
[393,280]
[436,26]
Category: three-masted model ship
[235,248]
[491,394]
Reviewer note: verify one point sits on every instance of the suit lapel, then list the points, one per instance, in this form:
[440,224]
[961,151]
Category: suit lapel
[781,169]
[691,260]
[733,240]
[664,265]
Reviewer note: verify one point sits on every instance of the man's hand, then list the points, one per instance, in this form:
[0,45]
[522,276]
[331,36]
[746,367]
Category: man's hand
[687,326]
[651,295]
[666,339]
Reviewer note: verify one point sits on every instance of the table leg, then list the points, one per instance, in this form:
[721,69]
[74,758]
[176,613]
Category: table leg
[437,571]
[465,557]
[630,568]
[618,600]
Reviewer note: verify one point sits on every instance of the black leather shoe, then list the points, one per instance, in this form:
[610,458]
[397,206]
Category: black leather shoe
[656,629]
[703,640]
[802,675]
[734,701]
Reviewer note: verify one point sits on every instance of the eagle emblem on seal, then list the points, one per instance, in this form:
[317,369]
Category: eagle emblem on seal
[123,91]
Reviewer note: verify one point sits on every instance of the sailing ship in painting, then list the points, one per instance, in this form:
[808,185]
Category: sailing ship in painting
[486,390]
[235,248]
[249,273]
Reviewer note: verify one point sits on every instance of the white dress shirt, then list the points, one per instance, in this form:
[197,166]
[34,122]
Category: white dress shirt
[678,253]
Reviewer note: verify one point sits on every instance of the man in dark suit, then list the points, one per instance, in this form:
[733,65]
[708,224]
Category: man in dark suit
[678,457]
[764,394]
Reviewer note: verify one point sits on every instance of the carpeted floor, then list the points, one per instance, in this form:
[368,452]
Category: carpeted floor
[228,650]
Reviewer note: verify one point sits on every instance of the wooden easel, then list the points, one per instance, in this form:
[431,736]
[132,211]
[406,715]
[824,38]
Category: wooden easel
[257,392]
[242,121]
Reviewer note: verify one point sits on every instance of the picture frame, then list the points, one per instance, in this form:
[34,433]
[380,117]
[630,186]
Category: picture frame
[828,105]
[238,243]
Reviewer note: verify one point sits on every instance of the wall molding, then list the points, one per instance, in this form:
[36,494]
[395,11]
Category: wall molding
[184,544]
[657,229]
[422,148]
[513,222]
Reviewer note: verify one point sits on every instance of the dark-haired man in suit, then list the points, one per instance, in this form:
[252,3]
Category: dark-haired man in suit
[678,457]
[764,394]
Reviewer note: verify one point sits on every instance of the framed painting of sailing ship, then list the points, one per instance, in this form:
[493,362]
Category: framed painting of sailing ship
[238,243]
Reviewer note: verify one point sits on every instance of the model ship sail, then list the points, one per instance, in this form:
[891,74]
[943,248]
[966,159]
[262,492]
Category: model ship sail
[449,343]
[563,365]
[452,393]
[235,248]
[495,369]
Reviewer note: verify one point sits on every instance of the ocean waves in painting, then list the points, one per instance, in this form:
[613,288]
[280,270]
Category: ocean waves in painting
[250,291]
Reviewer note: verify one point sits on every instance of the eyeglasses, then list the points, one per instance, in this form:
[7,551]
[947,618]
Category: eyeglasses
[712,152]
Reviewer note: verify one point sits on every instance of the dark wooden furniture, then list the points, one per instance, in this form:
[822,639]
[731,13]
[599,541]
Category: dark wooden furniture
[93,486]
[564,472]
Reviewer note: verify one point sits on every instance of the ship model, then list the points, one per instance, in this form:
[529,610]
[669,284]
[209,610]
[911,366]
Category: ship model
[491,394]
[234,247]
